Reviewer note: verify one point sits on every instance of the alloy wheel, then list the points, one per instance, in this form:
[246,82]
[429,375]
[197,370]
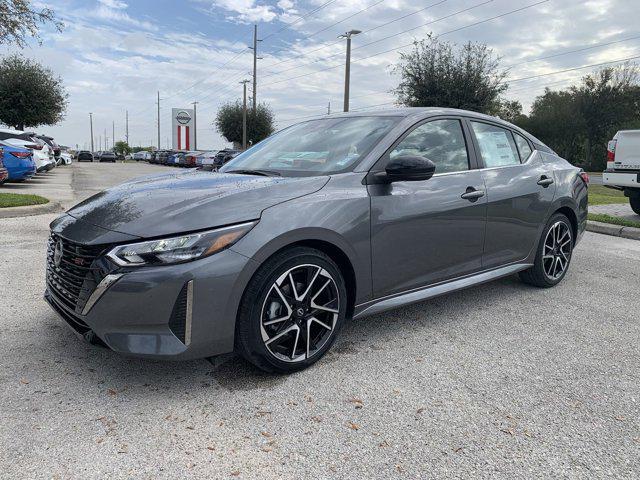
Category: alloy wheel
[299,313]
[557,250]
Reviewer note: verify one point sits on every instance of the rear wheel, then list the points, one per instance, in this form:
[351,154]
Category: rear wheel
[292,311]
[635,204]
[554,254]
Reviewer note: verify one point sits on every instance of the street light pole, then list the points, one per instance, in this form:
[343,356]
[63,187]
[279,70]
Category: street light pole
[347,69]
[195,125]
[159,146]
[244,114]
[91,127]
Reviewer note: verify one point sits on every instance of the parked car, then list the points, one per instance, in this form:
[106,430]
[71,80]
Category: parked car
[18,161]
[343,216]
[66,158]
[143,155]
[4,173]
[223,156]
[190,159]
[175,158]
[205,160]
[42,154]
[108,157]
[85,156]
[623,166]
[52,145]
[163,156]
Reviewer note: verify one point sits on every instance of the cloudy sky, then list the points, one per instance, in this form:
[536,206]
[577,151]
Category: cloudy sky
[114,55]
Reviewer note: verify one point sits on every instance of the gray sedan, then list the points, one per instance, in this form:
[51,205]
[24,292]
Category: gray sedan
[338,217]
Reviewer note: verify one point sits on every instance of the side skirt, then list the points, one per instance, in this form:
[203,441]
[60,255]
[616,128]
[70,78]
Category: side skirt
[413,296]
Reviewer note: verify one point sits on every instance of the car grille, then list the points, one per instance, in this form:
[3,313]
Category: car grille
[75,276]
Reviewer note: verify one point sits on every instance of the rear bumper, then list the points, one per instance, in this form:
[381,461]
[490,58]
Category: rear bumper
[21,173]
[617,179]
[137,316]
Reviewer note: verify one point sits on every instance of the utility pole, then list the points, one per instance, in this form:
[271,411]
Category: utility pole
[255,66]
[244,114]
[100,142]
[347,69]
[126,128]
[159,146]
[106,140]
[113,133]
[91,127]
[195,125]
[329,108]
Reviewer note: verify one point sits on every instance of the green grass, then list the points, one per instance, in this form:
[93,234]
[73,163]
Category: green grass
[20,200]
[623,222]
[601,195]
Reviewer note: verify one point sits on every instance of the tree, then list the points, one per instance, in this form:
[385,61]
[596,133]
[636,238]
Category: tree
[30,94]
[577,122]
[18,19]
[441,74]
[122,148]
[259,125]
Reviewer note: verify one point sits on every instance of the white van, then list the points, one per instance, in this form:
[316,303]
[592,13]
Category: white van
[623,166]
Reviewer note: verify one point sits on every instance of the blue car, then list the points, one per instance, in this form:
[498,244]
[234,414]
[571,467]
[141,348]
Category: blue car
[18,161]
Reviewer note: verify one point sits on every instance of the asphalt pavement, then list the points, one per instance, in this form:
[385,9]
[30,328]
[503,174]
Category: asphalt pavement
[499,381]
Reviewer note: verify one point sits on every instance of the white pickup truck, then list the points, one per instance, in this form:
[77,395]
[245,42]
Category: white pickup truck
[623,166]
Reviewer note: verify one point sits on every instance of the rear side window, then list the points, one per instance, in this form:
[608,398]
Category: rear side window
[497,146]
[523,147]
[441,141]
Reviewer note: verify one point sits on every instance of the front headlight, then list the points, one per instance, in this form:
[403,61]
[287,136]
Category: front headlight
[183,248]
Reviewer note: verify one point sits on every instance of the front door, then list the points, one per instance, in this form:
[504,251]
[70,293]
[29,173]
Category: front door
[425,232]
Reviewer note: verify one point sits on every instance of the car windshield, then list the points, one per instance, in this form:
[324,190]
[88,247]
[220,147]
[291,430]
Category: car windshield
[317,147]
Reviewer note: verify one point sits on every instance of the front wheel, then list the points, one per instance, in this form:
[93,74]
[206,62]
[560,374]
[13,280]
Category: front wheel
[292,311]
[635,204]
[554,254]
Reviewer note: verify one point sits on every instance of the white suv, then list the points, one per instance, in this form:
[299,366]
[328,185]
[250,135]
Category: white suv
[623,165]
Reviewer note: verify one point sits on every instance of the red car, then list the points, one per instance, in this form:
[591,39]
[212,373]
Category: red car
[4,173]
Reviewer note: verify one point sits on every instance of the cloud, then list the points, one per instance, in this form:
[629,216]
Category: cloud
[113,11]
[246,10]
[115,4]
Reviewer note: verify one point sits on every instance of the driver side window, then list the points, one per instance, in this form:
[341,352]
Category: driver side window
[441,141]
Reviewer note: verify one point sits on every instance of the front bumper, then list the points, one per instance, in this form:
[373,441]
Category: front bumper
[134,314]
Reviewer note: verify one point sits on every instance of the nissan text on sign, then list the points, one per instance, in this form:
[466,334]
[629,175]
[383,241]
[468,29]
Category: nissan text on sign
[182,127]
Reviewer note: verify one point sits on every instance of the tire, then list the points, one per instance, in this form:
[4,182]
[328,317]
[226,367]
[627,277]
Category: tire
[635,204]
[553,257]
[273,336]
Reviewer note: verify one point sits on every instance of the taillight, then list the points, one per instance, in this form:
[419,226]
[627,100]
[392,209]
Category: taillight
[585,177]
[34,147]
[20,154]
[611,151]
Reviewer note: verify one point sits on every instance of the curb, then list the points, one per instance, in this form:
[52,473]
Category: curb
[28,211]
[613,230]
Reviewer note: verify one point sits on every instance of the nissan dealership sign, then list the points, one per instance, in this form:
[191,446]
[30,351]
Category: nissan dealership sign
[182,127]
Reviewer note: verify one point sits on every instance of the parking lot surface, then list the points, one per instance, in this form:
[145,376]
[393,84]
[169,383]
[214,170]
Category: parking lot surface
[500,381]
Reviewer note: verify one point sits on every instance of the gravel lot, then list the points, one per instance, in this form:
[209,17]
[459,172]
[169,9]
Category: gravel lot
[501,381]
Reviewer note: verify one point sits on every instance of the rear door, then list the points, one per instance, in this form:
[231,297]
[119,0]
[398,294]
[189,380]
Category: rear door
[425,232]
[520,190]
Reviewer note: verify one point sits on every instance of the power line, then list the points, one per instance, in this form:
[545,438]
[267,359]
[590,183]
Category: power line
[412,43]
[583,49]
[302,17]
[388,37]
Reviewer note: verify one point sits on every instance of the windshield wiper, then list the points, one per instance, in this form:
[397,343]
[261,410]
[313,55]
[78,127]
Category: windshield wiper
[264,173]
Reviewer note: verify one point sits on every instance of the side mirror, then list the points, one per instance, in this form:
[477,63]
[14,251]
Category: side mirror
[407,168]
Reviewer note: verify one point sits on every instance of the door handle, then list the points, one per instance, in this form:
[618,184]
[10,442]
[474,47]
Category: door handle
[472,194]
[545,181]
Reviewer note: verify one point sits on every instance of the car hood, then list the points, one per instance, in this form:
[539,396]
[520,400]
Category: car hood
[182,202]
